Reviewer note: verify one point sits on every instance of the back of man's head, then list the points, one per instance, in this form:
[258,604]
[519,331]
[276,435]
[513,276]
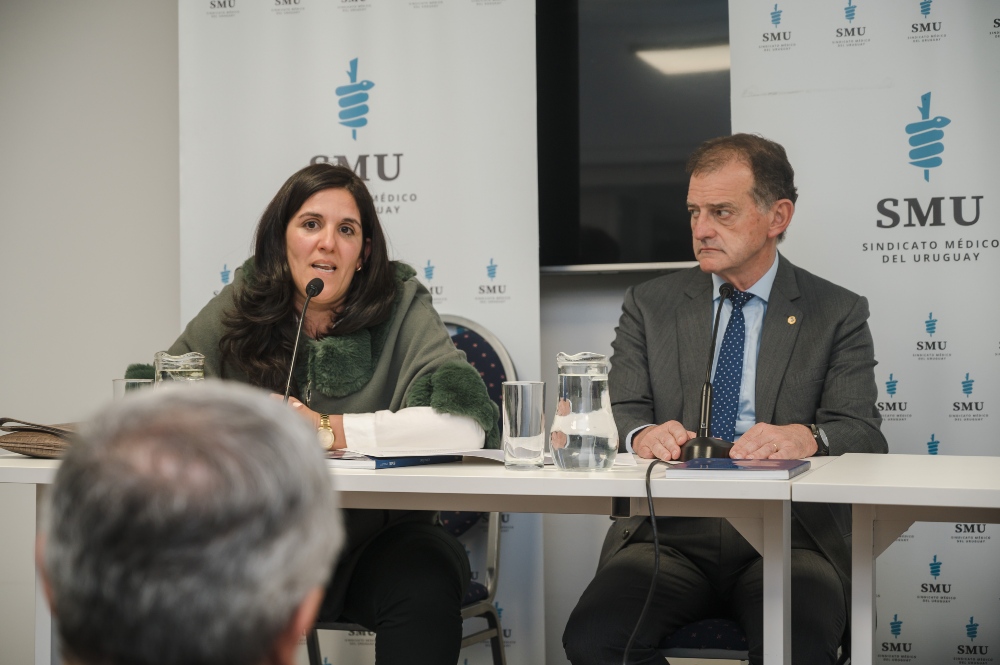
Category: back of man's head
[187,526]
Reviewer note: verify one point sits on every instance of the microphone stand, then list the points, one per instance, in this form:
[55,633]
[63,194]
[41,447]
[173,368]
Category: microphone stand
[704,445]
[313,288]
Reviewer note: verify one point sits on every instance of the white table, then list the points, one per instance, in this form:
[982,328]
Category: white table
[888,494]
[759,509]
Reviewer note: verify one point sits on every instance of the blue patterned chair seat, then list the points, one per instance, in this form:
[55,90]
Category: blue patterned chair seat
[708,638]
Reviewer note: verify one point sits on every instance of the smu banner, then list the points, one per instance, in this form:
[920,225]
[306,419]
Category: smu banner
[887,110]
[432,103]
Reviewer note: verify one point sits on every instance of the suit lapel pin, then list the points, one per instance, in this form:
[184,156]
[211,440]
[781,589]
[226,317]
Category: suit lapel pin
[792,320]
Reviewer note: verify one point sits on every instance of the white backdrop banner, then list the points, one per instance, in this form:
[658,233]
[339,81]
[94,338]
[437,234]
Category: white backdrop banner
[432,102]
[887,110]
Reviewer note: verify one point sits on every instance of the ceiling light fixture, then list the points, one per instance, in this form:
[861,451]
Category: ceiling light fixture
[696,60]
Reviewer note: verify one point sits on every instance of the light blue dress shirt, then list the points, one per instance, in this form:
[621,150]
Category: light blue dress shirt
[753,313]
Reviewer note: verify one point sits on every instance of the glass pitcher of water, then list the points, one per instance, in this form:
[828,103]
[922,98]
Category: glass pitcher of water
[188,367]
[583,435]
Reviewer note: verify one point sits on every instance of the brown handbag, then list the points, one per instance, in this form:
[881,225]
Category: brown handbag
[33,440]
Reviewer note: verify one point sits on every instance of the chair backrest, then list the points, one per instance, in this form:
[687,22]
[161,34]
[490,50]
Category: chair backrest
[484,352]
[487,354]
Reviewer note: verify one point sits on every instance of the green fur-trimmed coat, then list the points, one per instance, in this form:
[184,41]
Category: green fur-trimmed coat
[409,360]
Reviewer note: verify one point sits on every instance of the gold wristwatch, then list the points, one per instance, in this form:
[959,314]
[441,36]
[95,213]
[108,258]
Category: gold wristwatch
[325,433]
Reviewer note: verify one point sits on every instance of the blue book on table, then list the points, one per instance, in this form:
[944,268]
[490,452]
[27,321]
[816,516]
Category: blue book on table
[761,469]
[345,459]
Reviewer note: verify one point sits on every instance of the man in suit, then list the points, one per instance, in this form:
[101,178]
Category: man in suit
[793,377]
[189,525]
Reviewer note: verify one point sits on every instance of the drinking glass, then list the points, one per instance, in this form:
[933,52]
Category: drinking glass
[523,424]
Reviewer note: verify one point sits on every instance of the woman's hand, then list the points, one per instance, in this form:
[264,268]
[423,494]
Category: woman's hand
[312,417]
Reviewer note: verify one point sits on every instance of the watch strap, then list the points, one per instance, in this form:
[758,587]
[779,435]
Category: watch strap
[325,432]
[822,447]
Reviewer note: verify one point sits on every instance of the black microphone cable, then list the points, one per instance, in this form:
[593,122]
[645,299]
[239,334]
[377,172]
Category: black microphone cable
[656,560]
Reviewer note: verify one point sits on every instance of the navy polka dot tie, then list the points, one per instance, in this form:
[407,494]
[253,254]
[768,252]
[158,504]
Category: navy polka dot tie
[729,371]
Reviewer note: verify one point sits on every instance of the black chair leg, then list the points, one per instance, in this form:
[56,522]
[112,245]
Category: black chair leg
[312,645]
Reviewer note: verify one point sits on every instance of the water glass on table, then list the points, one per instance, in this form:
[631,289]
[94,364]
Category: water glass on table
[523,424]
[123,388]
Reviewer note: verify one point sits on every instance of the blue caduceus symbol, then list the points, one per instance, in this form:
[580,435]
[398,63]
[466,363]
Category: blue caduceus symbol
[429,271]
[352,101]
[849,11]
[932,446]
[931,324]
[890,386]
[925,7]
[895,626]
[491,270]
[935,567]
[776,16]
[967,385]
[972,628]
[925,138]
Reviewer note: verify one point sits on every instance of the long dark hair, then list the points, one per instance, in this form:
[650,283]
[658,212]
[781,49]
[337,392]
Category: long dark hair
[260,330]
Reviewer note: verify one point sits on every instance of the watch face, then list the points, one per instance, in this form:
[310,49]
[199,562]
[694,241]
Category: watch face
[326,437]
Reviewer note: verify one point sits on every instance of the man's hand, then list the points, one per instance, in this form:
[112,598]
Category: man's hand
[764,441]
[662,441]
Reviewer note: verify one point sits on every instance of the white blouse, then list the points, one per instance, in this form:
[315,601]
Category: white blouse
[417,429]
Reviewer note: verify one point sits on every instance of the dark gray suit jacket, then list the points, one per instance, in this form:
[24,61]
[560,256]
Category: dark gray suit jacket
[815,368]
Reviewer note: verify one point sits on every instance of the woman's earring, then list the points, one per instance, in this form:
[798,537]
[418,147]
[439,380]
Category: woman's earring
[359,268]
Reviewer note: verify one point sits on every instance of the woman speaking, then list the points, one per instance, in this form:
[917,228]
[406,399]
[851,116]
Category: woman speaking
[377,372]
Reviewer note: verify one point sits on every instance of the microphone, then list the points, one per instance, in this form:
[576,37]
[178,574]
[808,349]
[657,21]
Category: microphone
[704,445]
[313,288]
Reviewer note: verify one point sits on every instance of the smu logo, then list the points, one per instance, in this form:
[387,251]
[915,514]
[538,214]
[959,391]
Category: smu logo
[853,31]
[849,11]
[970,528]
[776,21]
[935,567]
[429,276]
[967,385]
[891,386]
[930,26]
[933,445]
[925,138]
[353,98]
[896,628]
[492,289]
[930,325]
[967,391]
[972,631]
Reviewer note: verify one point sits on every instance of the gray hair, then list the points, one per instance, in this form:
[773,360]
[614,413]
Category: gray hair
[186,526]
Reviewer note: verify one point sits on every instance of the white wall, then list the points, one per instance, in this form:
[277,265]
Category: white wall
[88,227]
